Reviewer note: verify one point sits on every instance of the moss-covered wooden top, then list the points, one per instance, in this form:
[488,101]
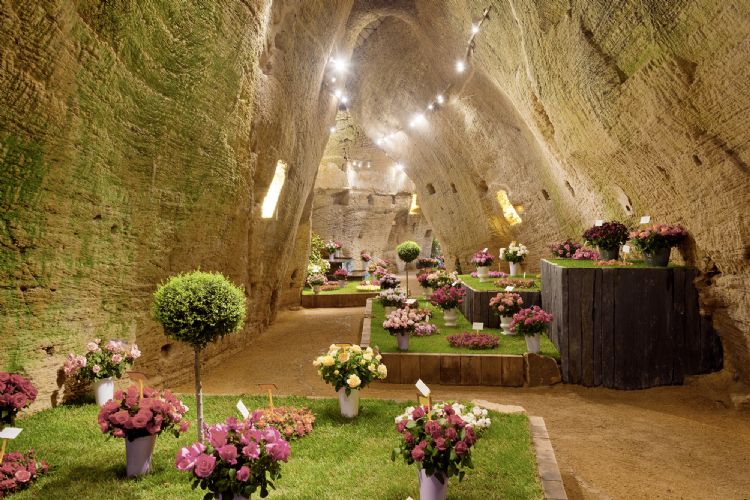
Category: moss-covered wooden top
[591,264]
[490,286]
[351,287]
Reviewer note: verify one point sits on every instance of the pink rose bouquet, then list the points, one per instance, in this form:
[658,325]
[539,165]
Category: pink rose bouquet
[16,393]
[483,258]
[565,250]
[530,321]
[506,303]
[102,360]
[341,273]
[18,471]
[491,274]
[237,460]
[585,254]
[440,439]
[476,341]
[447,297]
[424,330]
[131,416]
[292,423]
[658,236]
[402,321]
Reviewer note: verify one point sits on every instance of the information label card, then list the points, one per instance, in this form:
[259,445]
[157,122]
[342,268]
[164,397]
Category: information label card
[645,219]
[242,409]
[477,326]
[422,388]
[10,433]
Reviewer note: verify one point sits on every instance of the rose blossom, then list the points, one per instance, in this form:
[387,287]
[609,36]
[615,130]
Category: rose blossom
[116,358]
[228,453]
[23,476]
[461,448]
[186,456]
[243,474]
[204,465]
[251,450]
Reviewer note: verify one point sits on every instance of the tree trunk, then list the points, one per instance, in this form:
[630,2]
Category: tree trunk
[198,393]
[406,268]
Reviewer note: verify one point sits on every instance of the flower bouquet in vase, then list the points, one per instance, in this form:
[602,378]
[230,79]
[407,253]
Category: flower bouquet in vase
[422,278]
[341,275]
[316,281]
[331,248]
[401,323]
[16,393]
[564,250]
[656,242]
[102,364]
[439,440]
[350,369]
[514,255]
[18,471]
[392,299]
[238,460]
[505,305]
[531,322]
[139,418]
[483,260]
[608,237]
[448,298]
[389,280]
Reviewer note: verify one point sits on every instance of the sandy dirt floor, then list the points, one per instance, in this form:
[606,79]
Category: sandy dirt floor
[670,442]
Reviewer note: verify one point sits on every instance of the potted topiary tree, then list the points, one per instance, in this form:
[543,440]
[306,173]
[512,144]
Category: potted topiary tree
[198,308]
[408,251]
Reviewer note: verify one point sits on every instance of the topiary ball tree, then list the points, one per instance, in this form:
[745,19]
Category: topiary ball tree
[198,308]
[408,251]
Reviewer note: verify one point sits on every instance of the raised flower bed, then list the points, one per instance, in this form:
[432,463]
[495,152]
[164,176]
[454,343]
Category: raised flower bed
[348,296]
[476,304]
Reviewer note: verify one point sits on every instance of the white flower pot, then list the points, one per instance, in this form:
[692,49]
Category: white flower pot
[430,487]
[138,454]
[316,289]
[505,324]
[450,316]
[330,257]
[403,341]
[515,268]
[483,273]
[104,390]
[342,283]
[338,254]
[532,342]
[349,405]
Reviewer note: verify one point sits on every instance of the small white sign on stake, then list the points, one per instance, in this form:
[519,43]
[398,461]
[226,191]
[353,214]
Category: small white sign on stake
[411,302]
[456,283]
[645,219]
[422,388]
[485,250]
[10,433]
[242,409]
[598,222]
[509,288]
[626,249]
[477,326]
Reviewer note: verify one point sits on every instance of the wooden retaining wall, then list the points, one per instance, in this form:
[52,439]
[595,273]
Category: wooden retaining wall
[628,328]
[476,305]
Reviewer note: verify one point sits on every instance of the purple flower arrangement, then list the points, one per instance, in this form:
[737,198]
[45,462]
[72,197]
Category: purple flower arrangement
[608,236]
[425,330]
[491,274]
[658,236]
[131,416]
[483,258]
[530,321]
[238,459]
[422,277]
[585,254]
[16,393]
[565,250]
[390,281]
[18,471]
[476,341]
[447,297]
[506,303]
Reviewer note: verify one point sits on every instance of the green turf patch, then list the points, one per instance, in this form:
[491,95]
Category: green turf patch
[489,286]
[591,264]
[438,343]
[351,287]
[339,459]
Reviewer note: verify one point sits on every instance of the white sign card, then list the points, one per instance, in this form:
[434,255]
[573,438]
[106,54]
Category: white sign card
[477,326]
[626,248]
[508,288]
[524,274]
[422,388]
[10,433]
[485,250]
[242,409]
[411,302]
[456,283]
[598,222]
[645,219]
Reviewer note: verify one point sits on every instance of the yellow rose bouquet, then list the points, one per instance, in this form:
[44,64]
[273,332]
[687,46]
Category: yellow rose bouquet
[350,368]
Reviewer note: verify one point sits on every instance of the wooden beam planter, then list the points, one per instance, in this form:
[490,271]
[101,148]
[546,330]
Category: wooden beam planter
[476,305]
[337,300]
[628,328]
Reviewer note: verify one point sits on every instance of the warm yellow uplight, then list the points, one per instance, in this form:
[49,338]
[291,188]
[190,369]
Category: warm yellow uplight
[274,190]
[509,212]
[414,209]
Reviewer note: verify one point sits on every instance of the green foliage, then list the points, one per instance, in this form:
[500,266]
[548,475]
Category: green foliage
[199,307]
[316,263]
[408,251]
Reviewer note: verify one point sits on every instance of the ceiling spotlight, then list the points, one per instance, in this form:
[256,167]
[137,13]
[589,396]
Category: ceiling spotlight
[431,106]
[379,141]
[339,65]
[475,28]
[332,129]
[399,167]
[460,66]
[440,99]
[418,119]
[338,93]
[344,99]
[333,79]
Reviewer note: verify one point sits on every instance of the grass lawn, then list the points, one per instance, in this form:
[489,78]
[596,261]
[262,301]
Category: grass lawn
[489,286]
[509,344]
[351,287]
[636,264]
[339,460]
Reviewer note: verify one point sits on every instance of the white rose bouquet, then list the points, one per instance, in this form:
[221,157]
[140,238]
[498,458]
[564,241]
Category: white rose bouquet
[351,368]
[516,252]
[393,297]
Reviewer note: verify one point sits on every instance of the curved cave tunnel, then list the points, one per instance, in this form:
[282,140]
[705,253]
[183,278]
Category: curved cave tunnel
[139,141]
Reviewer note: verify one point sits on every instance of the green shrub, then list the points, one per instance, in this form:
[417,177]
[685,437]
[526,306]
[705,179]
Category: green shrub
[408,251]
